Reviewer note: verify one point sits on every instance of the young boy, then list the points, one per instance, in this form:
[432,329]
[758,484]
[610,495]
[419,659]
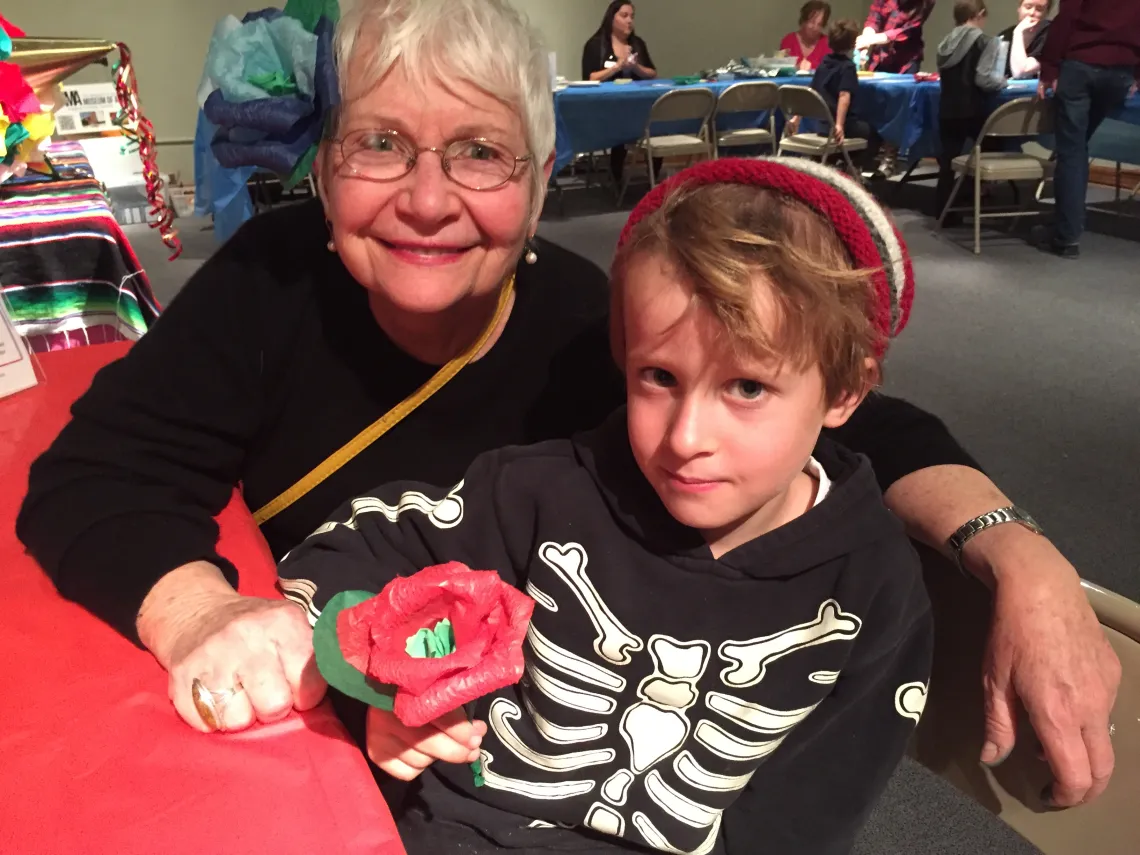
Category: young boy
[731,640]
[971,67]
[893,34]
[837,81]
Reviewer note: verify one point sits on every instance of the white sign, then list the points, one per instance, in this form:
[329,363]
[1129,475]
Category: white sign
[88,108]
[16,370]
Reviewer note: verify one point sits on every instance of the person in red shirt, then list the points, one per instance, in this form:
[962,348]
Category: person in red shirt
[1090,64]
[808,44]
[893,34]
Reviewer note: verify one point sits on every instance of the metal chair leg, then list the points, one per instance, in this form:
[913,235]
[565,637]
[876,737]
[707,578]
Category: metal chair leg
[977,212]
[950,202]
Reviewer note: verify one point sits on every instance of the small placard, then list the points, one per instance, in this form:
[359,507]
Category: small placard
[88,108]
[16,369]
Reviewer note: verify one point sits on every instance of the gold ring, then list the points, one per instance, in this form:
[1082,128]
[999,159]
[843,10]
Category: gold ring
[211,706]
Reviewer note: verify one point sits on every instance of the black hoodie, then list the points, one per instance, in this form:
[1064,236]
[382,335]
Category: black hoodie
[756,703]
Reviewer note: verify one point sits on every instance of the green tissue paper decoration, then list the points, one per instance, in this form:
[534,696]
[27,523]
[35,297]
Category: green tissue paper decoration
[274,83]
[432,643]
[435,643]
[331,662]
[308,12]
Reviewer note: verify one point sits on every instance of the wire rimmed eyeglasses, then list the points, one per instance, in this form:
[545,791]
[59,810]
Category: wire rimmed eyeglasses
[476,164]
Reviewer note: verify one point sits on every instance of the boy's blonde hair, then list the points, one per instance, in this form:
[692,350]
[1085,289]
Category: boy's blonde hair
[727,240]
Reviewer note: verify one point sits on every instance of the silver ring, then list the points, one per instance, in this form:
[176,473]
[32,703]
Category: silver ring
[211,706]
[1111,730]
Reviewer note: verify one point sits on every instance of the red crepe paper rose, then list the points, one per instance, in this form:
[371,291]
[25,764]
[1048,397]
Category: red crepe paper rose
[489,619]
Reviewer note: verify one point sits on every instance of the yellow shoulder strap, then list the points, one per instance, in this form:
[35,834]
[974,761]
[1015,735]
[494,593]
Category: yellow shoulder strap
[387,421]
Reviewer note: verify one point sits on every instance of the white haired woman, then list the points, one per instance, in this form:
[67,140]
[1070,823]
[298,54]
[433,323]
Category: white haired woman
[415,288]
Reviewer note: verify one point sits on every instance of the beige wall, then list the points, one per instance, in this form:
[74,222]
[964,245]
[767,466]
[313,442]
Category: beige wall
[687,36]
[565,25]
[169,38]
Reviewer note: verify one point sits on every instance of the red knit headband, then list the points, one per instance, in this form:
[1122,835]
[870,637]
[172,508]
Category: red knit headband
[860,222]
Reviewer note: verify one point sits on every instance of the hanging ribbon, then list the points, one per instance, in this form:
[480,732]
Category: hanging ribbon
[138,129]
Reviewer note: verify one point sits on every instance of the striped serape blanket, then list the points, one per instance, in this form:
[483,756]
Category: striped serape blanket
[68,274]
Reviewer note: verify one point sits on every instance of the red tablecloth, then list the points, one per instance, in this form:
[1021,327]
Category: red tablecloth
[93,758]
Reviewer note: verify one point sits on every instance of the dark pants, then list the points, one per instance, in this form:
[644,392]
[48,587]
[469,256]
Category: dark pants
[1085,95]
[956,135]
[858,128]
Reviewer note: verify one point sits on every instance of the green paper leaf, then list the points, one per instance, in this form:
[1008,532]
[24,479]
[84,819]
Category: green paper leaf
[309,12]
[301,169]
[274,83]
[337,672]
[434,643]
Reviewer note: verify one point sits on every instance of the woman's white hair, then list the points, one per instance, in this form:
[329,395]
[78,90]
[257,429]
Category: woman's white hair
[486,43]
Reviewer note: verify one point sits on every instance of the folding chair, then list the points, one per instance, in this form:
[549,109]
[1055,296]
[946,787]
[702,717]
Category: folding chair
[950,735]
[805,102]
[1023,117]
[680,105]
[750,97]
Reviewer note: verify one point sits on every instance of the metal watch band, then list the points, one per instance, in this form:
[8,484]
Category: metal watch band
[1010,514]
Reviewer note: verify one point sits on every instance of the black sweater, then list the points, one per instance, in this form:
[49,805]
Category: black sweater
[597,52]
[269,360]
[755,703]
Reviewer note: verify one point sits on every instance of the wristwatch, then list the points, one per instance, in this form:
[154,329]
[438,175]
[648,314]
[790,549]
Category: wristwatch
[1011,514]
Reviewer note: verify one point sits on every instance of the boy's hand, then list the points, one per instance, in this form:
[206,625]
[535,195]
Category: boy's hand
[839,134]
[404,752]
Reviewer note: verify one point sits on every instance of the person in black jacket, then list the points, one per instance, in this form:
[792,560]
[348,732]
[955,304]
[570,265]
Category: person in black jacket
[837,81]
[316,320]
[969,65]
[731,641]
[616,51]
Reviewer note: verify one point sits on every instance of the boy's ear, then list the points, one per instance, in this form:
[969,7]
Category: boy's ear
[841,410]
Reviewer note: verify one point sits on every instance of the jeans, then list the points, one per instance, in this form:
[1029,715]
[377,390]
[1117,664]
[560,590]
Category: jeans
[1085,95]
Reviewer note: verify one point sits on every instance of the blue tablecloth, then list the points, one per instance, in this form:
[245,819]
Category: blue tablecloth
[904,111]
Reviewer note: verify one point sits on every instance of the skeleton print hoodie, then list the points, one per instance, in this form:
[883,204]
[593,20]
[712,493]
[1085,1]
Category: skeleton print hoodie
[756,703]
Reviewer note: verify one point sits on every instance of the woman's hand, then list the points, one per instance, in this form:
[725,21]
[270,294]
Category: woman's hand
[404,752]
[1046,648]
[198,627]
[805,64]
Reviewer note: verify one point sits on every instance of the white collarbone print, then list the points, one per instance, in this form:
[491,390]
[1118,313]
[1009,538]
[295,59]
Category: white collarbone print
[692,730]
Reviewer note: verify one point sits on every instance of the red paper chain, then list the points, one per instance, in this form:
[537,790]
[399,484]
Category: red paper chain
[140,131]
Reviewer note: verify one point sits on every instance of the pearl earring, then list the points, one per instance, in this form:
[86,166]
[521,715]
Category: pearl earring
[531,256]
[331,245]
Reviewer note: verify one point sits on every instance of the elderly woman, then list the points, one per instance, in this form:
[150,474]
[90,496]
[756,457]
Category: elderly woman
[396,328]
[808,44]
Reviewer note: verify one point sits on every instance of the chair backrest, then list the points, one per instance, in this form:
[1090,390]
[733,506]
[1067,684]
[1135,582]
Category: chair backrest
[806,102]
[1113,610]
[681,105]
[1023,117]
[753,96]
